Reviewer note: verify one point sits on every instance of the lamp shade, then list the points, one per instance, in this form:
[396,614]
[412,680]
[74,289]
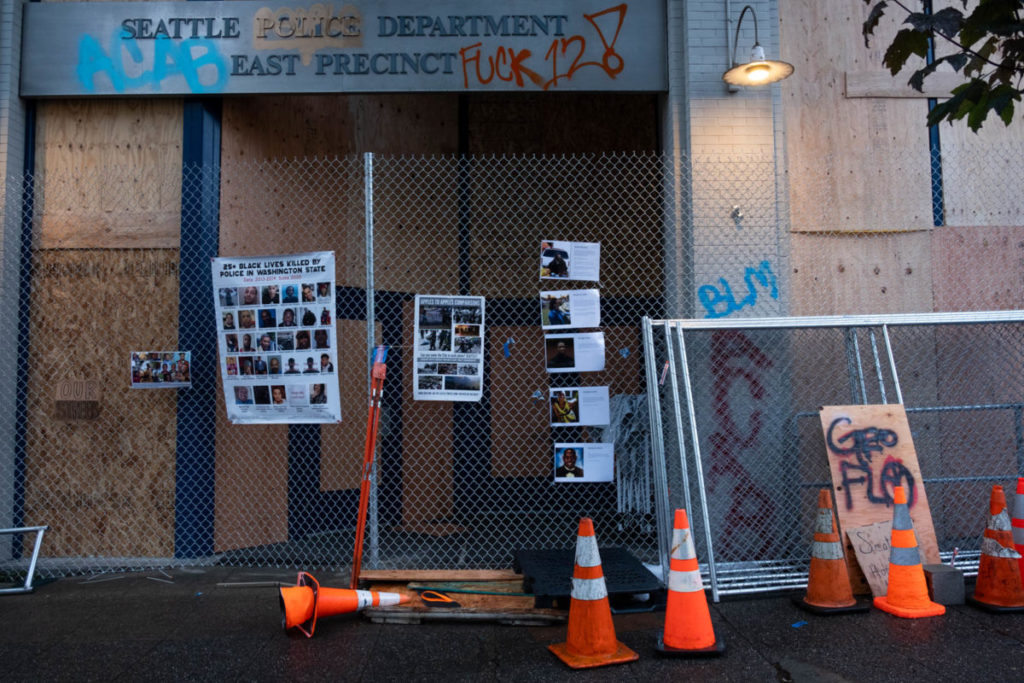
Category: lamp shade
[758,71]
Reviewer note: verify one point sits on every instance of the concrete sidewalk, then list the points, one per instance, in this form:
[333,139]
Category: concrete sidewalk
[208,624]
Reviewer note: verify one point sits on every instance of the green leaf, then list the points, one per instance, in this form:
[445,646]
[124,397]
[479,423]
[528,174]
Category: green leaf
[871,22]
[907,42]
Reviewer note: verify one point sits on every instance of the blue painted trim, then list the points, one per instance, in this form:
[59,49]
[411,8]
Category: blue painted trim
[195,455]
[24,325]
[934,147]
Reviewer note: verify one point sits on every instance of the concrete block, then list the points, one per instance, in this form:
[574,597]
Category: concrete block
[945,584]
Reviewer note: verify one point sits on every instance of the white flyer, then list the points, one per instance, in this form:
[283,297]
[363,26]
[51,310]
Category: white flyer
[584,462]
[278,337]
[570,260]
[581,352]
[578,406]
[448,348]
[565,309]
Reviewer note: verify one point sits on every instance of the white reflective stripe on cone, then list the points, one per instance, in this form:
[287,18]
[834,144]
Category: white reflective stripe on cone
[682,545]
[827,550]
[685,582]
[999,522]
[824,523]
[993,548]
[589,589]
[365,599]
[586,552]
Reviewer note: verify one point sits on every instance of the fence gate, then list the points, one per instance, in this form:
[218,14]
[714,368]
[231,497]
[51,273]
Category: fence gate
[735,421]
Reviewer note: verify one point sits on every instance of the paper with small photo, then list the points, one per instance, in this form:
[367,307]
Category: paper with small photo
[570,260]
[584,462]
[565,309]
[161,369]
[579,352]
[578,406]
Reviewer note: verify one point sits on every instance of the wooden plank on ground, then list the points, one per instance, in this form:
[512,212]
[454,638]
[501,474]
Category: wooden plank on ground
[402,575]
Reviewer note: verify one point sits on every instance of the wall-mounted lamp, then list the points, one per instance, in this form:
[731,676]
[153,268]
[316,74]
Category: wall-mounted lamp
[758,71]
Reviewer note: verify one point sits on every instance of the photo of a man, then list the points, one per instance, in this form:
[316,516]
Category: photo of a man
[570,464]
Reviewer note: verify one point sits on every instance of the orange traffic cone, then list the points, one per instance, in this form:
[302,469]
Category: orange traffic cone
[907,594]
[591,641]
[828,580]
[998,588]
[688,631]
[1017,522]
[302,603]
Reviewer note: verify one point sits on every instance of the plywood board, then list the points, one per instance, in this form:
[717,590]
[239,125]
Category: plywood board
[870,451]
[428,452]
[111,172]
[978,268]
[105,486]
[854,164]
[848,274]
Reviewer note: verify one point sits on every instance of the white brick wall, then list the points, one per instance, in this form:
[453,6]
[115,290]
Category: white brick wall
[721,122]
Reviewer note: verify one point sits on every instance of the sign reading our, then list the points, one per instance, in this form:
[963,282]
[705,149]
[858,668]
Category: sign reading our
[189,48]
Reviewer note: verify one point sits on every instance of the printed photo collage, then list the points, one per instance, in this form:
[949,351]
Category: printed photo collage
[563,313]
[278,332]
[448,353]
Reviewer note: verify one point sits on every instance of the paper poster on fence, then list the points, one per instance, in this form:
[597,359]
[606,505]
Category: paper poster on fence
[584,462]
[161,370]
[570,308]
[448,351]
[578,406]
[277,337]
[583,352]
[570,260]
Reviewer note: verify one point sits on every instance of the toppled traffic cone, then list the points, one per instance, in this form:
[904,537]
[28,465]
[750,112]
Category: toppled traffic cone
[828,580]
[591,641]
[688,631]
[907,593]
[998,588]
[304,602]
[1017,522]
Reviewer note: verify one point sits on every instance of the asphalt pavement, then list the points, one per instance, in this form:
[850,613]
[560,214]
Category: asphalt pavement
[224,624]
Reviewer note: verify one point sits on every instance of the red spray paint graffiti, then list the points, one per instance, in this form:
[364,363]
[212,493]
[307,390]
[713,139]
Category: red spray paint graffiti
[739,419]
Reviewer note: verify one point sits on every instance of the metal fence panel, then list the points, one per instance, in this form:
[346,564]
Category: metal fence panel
[743,438]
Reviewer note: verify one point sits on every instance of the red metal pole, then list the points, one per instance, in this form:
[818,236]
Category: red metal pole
[377,373]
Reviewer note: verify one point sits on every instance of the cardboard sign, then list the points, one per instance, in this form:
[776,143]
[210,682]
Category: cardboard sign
[76,399]
[871,545]
[870,452]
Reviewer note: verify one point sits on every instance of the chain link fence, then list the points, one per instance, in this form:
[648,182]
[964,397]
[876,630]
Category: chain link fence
[744,449]
[111,263]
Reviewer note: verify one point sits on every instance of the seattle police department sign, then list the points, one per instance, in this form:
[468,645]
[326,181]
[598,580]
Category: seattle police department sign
[210,48]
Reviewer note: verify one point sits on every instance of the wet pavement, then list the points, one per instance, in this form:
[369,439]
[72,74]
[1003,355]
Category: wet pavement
[224,624]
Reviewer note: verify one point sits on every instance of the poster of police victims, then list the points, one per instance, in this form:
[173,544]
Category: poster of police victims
[277,337]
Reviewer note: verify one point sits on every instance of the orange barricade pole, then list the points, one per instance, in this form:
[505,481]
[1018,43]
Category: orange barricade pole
[377,374]
[907,593]
[688,631]
[828,580]
[591,641]
[998,588]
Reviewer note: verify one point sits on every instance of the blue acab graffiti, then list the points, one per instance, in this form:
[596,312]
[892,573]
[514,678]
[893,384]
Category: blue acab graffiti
[171,58]
[720,303]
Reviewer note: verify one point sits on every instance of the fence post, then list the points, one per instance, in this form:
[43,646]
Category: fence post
[372,557]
